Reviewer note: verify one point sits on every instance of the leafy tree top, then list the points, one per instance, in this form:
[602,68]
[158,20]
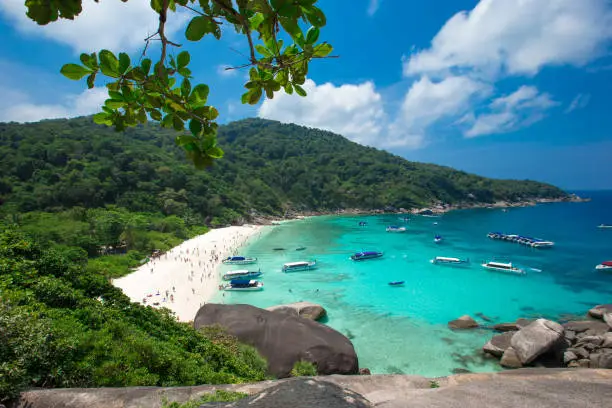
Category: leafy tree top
[163,90]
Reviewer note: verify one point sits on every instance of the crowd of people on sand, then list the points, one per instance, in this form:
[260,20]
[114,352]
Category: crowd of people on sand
[199,263]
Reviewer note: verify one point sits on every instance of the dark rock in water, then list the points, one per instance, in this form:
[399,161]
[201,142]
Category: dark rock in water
[300,393]
[278,249]
[599,310]
[461,371]
[464,322]
[590,327]
[510,359]
[505,327]
[365,371]
[527,309]
[447,340]
[498,344]
[484,317]
[523,322]
[282,339]
[536,339]
[306,310]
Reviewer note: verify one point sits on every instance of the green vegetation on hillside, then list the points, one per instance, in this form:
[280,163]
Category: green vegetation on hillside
[268,168]
[62,324]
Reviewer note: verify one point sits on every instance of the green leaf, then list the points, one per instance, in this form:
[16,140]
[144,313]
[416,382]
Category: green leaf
[109,64]
[177,123]
[322,50]
[183,59]
[186,72]
[124,62]
[185,88]
[254,96]
[102,118]
[312,35]
[145,65]
[200,26]
[263,51]
[74,71]
[91,80]
[155,115]
[315,16]
[195,127]
[299,90]
[200,92]
[215,152]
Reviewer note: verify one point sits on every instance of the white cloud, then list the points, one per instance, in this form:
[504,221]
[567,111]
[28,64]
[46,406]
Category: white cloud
[521,108]
[112,24]
[579,102]
[86,103]
[373,7]
[516,37]
[354,111]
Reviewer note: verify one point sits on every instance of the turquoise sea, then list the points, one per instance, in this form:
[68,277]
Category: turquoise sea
[403,329]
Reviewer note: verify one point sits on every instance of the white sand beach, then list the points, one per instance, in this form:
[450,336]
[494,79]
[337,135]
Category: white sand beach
[187,276]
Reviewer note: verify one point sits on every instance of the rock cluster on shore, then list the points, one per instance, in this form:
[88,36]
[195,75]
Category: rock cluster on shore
[579,343]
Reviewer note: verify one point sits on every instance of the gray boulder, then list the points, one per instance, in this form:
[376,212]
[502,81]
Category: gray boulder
[505,327]
[588,327]
[283,339]
[301,393]
[599,310]
[498,344]
[607,317]
[522,322]
[306,310]
[464,322]
[568,357]
[510,359]
[605,360]
[607,340]
[536,339]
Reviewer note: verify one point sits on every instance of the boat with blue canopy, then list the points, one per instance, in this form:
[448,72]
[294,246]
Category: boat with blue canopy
[438,239]
[397,283]
[239,260]
[242,285]
[363,255]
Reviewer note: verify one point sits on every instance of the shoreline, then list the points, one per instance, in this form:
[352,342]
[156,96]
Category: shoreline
[433,209]
[188,275]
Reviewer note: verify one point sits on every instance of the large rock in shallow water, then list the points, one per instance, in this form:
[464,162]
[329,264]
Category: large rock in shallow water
[283,339]
[306,310]
[464,322]
[536,339]
[498,344]
[599,310]
[589,327]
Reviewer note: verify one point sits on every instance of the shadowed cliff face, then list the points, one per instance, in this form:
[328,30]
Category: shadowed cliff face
[533,388]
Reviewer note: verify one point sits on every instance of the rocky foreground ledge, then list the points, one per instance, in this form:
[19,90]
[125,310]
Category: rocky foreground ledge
[533,388]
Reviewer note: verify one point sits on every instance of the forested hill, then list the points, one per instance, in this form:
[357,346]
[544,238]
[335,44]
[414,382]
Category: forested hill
[268,167]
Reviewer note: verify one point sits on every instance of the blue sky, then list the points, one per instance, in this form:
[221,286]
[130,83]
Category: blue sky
[503,88]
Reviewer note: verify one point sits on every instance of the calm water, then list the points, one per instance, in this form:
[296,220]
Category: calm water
[403,329]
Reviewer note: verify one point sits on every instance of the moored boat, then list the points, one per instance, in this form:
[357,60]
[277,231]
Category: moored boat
[239,260]
[396,283]
[241,274]
[300,248]
[360,256]
[438,239]
[363,223]
[503,267]
[519,239]
[299,266]
[605,265]
[444,260]
[242,285]
[395,228]
[604,226]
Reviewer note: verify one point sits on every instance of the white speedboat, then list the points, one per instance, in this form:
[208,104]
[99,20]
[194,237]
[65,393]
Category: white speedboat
[605,265]
[242,285]
[503,267]
[395,228]
[604,226]
[299,266]
[444,260]
[239,260]
[241,274]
